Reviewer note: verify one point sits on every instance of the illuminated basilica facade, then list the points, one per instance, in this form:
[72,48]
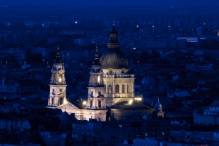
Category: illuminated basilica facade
[111,92]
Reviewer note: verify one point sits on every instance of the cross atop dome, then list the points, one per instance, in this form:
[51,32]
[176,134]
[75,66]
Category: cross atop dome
[113,29]
[96,54]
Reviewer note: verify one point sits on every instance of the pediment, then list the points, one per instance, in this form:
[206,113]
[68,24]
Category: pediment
[68,105]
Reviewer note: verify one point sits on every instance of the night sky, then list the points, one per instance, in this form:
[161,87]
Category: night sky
[84,3]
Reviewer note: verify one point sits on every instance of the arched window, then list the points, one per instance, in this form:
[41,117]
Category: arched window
[123,88]
[109,88]
[99,103]
[91,103]
[117,89]
[52,101]
[91,94]
[60,78]
[98,79]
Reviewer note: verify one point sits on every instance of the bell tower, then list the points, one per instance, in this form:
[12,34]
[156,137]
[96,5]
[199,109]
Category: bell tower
[57,82]
[96,88]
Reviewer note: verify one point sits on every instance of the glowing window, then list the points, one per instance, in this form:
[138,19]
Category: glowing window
[60,78]
[98,79]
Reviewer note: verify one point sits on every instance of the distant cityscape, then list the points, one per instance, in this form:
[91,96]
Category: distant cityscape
[99,80]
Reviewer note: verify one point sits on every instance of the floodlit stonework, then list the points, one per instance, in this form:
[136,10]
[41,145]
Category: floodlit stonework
[111,92]
[57,84]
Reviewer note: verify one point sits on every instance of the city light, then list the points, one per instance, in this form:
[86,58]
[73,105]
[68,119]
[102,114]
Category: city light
[130,102]
[76,22]
[60,79]
[138,98]
[137,26]
[98,79]
[84,102]
[65,101]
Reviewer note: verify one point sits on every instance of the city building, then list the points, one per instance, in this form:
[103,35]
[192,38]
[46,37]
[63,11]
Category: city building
[208,115]
[111,92]
[114,132]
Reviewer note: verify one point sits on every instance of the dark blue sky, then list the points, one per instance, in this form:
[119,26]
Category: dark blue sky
[84,3]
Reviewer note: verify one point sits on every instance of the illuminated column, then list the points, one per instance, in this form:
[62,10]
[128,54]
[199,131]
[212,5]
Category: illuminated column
[63,78]
[125,88]
[56,77]
[95,79]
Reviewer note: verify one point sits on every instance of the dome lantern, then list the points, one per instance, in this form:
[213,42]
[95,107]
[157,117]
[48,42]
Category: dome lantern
[114,57]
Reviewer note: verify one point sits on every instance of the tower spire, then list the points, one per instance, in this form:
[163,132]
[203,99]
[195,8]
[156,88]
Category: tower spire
[96,54]
[96,58]
[58,58]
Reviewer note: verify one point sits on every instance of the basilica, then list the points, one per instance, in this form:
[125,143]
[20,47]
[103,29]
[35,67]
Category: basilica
[111,93]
